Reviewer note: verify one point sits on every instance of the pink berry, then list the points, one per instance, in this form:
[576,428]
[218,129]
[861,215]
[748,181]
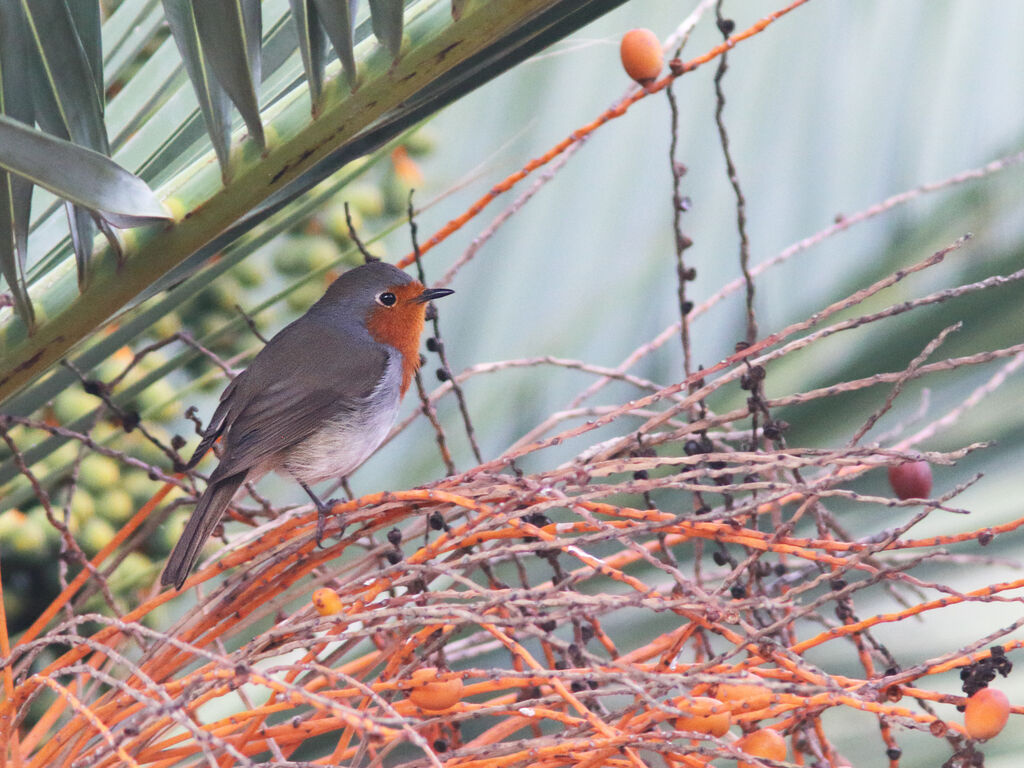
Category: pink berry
[912,480]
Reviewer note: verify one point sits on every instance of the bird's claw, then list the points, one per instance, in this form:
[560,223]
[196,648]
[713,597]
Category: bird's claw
[321,519]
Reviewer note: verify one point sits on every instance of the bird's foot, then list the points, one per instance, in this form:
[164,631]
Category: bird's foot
[322,509]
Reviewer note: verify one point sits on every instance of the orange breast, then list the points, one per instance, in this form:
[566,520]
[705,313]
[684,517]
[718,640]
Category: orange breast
[400,326]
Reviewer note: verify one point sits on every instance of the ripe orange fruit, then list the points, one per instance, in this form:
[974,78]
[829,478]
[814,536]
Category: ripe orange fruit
[749,696]
[326,601]
[986,713]
[703,720]
[432,691]
[912,480]
[766,742]
[640,51]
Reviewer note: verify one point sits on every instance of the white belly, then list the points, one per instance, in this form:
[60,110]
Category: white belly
[342,444]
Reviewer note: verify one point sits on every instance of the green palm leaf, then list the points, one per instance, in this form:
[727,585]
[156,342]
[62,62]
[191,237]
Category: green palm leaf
[80,175]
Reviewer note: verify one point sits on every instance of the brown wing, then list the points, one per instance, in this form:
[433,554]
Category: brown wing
[306,375]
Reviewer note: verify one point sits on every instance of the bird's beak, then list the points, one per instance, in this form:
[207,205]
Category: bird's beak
[433,293]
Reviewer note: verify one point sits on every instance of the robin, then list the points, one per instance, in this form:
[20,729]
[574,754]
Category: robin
[317,400]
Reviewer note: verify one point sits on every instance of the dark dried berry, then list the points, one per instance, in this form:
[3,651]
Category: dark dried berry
[94,387]
[691,448]
[687,307]
[640,474]
[433,344]
[538,519]
[586,633]
[442,375]
[893,753]
[440,745]
[394,537]
[719,558]
[393,556]
[436,520]
[738,591]
[547,626]
[837,584]
[130,420]
[726,26]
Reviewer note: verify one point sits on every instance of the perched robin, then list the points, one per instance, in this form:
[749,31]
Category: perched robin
[317,400]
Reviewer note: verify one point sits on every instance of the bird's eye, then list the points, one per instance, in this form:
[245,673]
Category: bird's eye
[386,299]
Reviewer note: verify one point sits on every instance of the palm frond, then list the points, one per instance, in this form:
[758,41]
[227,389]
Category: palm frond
[169,119]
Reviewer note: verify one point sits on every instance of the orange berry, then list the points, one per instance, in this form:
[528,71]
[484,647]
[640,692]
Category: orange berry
[431,691]
[640,51]
[912,480]
[986,713]
[767,743]
[703,720]
[749,696]
[326,601]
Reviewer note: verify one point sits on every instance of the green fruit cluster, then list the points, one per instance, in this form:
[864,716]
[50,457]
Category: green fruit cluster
[90,493]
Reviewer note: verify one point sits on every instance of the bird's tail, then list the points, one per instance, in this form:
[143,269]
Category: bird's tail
[200,525]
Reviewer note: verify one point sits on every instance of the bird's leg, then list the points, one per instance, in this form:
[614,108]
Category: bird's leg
[322,508]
